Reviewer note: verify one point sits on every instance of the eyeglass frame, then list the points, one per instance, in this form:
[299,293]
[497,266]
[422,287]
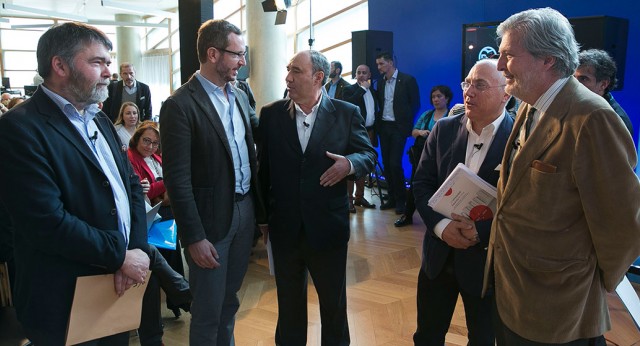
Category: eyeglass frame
[238,55]
[483,89]
[146,141]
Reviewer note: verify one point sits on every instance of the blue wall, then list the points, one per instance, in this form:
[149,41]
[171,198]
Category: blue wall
[427,38]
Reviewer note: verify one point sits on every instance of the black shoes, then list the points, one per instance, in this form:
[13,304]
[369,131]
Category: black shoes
[352,208]
[404,220]
[362,202]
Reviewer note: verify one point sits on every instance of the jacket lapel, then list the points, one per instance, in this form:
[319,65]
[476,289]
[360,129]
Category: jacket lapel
[546,131]
[497,147]
[63,125]
[201,98]
[325,119]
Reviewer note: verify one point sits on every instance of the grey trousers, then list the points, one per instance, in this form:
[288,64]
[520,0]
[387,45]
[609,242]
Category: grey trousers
[215,299]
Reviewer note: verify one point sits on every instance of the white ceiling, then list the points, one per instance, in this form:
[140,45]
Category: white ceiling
[91,9]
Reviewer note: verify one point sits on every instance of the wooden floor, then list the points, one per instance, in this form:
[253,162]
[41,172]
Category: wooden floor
[382,270]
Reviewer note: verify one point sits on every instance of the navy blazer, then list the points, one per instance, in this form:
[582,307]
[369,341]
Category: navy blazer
[446,147]
[290,178]
[62,208]
[406,102]
[197,163]
[112,104]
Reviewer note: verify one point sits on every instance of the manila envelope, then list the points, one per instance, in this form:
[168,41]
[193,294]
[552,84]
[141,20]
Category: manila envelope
[97,311]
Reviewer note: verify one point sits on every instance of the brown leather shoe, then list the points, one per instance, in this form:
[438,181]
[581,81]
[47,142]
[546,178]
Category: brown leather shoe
[362,202]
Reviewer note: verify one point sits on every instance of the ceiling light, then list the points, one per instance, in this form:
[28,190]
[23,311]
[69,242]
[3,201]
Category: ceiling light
[50,14]
[126,7]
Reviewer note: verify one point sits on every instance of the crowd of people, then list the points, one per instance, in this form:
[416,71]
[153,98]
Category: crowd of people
[76,183]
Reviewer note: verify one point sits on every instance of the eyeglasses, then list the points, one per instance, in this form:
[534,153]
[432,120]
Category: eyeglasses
[147,142]
[480,86]
[238,55]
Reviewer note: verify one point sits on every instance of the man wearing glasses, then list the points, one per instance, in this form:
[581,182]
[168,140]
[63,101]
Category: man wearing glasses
[209,171]
[454,246]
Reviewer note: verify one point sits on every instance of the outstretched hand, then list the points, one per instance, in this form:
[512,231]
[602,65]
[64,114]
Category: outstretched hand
[340,169]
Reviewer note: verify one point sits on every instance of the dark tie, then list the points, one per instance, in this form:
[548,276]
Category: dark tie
[527,123]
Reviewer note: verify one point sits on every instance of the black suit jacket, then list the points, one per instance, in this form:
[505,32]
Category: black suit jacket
[290,179]
[62,208]
[197,162]
[406,102]
[112,104]
[355,94]
[446,147]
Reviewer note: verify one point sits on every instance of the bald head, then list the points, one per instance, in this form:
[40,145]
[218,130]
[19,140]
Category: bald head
[363,74]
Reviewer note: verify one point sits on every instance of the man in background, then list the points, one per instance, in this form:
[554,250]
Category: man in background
[76,206]
[362,95]
[209,165]
[597,71]
[128,90]
[453,253]
[309,144]
[399,100]
[336,83]
[567,225]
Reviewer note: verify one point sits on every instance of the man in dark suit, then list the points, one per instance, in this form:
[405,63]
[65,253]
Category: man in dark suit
[336,84]
[399,99]
[128,89]
[362,95]
[453,253]
[209,165]
[309,144]
[76,206]
[597,71]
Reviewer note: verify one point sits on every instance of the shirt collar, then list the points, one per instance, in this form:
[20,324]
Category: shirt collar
[493,127]
[210,87]
[545,100]
[87,114]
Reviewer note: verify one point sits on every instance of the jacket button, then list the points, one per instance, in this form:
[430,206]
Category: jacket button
[114,211]
[105,183]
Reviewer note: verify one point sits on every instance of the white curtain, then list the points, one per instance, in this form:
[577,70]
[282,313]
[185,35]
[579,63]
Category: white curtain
[154,71]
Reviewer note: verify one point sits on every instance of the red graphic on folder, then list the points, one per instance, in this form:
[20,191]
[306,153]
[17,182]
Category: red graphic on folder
[480,213]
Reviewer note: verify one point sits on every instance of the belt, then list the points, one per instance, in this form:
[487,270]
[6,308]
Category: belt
[240,197]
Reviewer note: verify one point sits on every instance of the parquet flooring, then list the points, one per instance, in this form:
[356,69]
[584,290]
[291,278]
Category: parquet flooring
[382,271]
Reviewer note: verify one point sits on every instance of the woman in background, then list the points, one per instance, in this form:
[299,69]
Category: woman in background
[127,121]
[441,96]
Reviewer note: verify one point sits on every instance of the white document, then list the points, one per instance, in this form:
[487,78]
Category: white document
[465,193]
[630,299]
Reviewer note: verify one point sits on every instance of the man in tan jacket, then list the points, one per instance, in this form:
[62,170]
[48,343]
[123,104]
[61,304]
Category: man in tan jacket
[567,225]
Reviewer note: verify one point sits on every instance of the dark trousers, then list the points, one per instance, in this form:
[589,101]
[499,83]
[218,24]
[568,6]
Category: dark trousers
[43,338]
[175,287]
[437,299]
[506,337]
[392,144]
[327,268]
[410,206]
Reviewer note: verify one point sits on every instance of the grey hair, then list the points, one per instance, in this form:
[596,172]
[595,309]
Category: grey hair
[545,32]
[319,63]
[603,65]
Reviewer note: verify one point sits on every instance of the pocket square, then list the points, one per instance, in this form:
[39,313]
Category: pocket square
[543,167]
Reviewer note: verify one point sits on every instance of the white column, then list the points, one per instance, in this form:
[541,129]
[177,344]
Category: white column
[267,48]
[128,49]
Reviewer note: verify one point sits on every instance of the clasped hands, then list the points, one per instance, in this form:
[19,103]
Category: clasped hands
[460,233]
[133,271]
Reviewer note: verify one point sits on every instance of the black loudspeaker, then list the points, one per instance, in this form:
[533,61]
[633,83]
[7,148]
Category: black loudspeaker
[366,45]
[606,33]
[601,32]
[191,13]
[243,72]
